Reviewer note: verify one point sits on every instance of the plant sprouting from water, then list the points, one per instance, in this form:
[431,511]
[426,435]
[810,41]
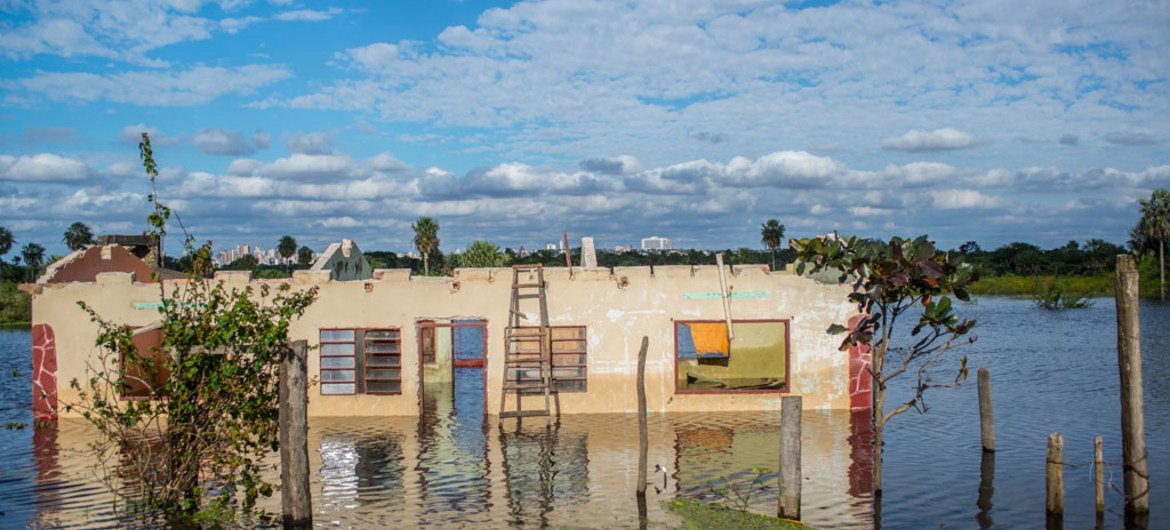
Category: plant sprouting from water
[1056,296]
[187,420]
[739,494]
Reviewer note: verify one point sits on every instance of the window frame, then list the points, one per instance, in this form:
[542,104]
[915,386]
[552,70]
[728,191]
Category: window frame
[360,355]
[786,389]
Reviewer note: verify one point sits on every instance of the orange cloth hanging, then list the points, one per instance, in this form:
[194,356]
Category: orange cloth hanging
[710,337]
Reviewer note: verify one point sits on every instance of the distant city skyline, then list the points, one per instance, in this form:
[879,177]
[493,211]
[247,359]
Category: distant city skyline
[514,121]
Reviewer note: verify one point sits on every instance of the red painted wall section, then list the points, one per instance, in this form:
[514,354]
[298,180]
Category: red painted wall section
[96,260]
[44,375]
[860,378]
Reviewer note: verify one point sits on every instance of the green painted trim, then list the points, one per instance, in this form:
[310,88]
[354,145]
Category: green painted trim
[148,305]
[716,296]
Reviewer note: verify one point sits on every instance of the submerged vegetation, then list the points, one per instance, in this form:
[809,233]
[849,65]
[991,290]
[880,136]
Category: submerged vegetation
[1056,296]
[698,515]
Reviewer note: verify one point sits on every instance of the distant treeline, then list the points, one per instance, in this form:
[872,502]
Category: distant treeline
[1094,257]
[605,258]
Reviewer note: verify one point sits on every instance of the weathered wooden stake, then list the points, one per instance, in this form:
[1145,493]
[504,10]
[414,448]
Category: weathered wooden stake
[643,443]
[295,498]
[1055,477]
[790,472]
[986,412]
[1129,360]
[986,489]
[1099,475]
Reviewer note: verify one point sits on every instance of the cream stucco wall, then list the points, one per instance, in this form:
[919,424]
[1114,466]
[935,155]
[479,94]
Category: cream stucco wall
[616,316]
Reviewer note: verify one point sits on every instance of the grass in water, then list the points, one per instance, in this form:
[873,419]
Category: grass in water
[703,516]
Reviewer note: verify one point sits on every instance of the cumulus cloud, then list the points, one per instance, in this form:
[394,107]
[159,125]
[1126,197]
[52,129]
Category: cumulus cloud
[317,143]
[962,199]
[310,166]
[386,163]
[43,167]
[621,165]
[937,140]
[228,143]
[132,135]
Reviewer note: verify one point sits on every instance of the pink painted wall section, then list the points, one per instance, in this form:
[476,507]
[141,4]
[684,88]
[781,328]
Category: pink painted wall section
[860,378]
[44,375]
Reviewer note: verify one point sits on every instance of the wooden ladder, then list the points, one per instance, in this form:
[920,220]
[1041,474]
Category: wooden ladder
[528,349]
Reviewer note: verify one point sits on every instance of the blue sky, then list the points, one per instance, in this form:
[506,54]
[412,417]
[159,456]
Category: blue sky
[988,121]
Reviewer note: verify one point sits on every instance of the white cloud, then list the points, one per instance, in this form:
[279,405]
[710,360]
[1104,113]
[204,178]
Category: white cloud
[621,165]
[309,15]
[317,143]
[936,140]
[43,167]
[962,199]
[194,86]
[387,163]
[230,143]
[310,166]
[132,135]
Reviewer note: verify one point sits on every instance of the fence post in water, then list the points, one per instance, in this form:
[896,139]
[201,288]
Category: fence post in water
[986,412]
[1099,475]
[643,443]
[295,498]
[1129,360]
[790,472]
[1055,476]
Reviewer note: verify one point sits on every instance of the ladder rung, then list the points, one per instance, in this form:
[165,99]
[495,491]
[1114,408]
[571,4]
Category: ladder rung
[527,285]
[523,413]
[537,385]
[519,314]
[532,295]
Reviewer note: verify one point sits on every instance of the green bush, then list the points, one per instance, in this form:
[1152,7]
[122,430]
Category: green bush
[15,305]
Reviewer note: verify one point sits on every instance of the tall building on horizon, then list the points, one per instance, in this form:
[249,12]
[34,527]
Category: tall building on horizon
[656,243]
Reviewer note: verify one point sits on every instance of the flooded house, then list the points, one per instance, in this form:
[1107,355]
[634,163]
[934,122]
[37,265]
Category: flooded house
[386,343]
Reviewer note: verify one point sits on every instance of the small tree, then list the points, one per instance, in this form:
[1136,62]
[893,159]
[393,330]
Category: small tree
[212,386]
[771,235]
[304,256]
[1155,225]
[483,254]
[33,254]
[902,278]
[287,248]
[77,236]
[426,240]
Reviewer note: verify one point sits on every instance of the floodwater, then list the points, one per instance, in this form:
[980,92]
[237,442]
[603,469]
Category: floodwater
[1051,371]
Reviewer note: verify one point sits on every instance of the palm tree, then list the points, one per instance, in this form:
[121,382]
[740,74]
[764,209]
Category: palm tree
[1155,225]
[6,242]
[287,247]
[426,240]
[772,233]
[77,236]
[33,253]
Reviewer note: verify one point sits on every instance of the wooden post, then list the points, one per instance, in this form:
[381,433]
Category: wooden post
[1055,476]
[723,294]
[295,498]
[643,443]
[1129,360]
[986,411]
[790,472]
[986,489]
[1099,475]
